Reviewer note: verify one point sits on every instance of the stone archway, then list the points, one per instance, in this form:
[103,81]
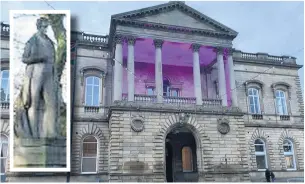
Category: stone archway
[201,140]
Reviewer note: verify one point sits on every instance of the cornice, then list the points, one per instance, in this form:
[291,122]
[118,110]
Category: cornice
[172,28]
[166,7]
[266,62]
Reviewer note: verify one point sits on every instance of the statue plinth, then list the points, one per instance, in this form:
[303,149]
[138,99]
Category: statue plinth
[40,153]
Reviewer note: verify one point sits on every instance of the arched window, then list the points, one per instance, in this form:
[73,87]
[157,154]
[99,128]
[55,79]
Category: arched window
[4,153]
[253,98]
[281,102]
[5,86]
[289,155]
[260,154]
[187,159]
[89,155]
[92,94]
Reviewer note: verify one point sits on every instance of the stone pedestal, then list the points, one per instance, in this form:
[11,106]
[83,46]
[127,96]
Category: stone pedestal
[40,153]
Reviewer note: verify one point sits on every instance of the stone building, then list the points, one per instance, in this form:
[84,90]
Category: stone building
[166,97]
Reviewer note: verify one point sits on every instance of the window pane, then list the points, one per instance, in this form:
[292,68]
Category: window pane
[89,80]
[287,148]
[256,105]
[3,165]
[260,161]
[250,91]
[252,109]
[284,106]
[259,148]
[4,150]
[289,162]
[89,165]
[175,93]
[258,141]
[150,91]
[277,93]
[251,100]
[96,81]
[187,159]
[89,149]
[88,95]
[96,96]
[4,74]
[255,92]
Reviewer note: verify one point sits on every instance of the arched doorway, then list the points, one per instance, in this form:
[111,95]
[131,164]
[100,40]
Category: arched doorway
[181,157]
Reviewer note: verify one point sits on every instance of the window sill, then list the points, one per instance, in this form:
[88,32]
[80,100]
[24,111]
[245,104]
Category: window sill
[88,173]
[261,170]
[291,169]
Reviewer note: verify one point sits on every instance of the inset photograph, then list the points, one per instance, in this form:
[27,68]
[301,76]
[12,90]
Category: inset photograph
[40,90]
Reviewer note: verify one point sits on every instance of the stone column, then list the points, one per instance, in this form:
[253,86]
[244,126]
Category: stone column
[232,79]
[118,68]
[221,77]
[196,74]
[130,67]
[158,70]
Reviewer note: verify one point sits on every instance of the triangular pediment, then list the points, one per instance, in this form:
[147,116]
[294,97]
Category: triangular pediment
[177,18]
[175,14]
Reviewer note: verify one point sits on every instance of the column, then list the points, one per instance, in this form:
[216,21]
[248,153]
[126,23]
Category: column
[130,67]
[158,70]
[232,79]
[196,74]
[118,68]
[221,77]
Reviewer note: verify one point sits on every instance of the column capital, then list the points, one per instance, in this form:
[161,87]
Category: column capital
[131,40]
[195,47]
[118,39]
[219,50]
[158,43]
[230,51]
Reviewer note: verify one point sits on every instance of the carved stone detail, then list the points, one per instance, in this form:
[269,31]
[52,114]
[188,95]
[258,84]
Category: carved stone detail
[219,50]
[230,51]
[118,39]
[131,40]
[158,43]
[183,118]
[223,126]
[137,124]
[196,47]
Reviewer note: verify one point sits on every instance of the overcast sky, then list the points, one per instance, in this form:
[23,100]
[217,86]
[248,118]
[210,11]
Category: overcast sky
[276,28]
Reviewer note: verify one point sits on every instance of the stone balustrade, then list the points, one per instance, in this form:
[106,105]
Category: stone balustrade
[5,105]
[263,56]
[5,29]
[173,100]
[89,38]
[92,109]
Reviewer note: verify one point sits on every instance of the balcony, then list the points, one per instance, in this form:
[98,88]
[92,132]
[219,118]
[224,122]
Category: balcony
[173,100]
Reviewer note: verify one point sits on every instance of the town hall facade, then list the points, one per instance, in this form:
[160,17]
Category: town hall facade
[165,97]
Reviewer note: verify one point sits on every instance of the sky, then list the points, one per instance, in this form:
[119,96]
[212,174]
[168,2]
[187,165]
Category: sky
[276,28]
[27,23]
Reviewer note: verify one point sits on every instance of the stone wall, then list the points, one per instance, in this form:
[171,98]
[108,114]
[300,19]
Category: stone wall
[130,150]
[101,132]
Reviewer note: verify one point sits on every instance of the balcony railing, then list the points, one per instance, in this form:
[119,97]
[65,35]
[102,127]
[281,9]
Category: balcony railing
[173,100]
[5,105]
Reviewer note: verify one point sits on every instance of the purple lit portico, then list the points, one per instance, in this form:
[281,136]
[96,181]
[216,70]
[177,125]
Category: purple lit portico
[161,71]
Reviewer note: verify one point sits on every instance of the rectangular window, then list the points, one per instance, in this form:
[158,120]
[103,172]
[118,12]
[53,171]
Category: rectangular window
[175,92]
[150,91]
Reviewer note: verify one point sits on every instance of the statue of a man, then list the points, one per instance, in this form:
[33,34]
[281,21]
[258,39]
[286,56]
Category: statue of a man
[39,85]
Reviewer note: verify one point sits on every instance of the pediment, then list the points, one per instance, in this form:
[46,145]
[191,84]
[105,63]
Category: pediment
[177,18]
[175,14]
